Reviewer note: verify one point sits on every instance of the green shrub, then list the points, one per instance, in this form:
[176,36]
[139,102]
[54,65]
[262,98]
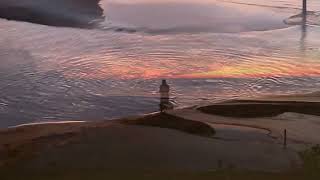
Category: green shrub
[311,162]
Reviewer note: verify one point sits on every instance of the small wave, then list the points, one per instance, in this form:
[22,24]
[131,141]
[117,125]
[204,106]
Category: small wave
[47,123]
[119,28]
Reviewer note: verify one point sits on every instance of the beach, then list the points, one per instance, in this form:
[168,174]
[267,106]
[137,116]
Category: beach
[179,140]
[79,89]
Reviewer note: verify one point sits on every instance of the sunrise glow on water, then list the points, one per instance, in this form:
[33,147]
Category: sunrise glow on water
[208,50]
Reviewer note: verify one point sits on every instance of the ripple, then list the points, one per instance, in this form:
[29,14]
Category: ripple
[312,18]
[66,73]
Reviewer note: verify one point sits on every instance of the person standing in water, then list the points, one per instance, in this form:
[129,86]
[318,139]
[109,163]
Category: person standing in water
[164,96]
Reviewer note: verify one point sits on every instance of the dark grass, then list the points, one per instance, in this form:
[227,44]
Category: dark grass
[311,162]
[254,109]
[101,174]
[310,171]
[164,120]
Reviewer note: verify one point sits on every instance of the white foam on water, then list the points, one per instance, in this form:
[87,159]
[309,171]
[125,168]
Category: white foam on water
[44,123]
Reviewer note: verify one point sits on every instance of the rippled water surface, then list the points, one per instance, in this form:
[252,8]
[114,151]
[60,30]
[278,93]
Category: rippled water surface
[208,50]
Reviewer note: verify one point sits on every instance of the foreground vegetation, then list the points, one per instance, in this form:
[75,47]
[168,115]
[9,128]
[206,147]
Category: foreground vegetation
[15,171]
[311,159]
[310,171]
[99,174]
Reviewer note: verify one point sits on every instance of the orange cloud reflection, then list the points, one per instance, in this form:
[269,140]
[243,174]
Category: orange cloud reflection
[258,71]
[144,69]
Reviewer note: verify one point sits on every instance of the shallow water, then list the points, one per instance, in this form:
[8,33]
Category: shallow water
[208,51]
[241,133]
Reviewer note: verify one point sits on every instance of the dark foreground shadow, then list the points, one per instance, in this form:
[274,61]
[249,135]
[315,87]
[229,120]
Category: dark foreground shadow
[254,109]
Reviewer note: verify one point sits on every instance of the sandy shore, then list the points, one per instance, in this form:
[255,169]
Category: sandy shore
[185,139]
[298,114]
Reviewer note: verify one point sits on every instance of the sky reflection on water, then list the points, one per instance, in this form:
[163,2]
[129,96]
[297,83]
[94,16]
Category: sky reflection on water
[50,73]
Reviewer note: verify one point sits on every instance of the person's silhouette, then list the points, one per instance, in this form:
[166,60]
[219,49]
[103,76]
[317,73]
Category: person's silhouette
[164,96]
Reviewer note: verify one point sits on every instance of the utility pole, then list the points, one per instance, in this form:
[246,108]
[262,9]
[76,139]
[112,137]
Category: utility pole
[304,13]
[285,139]
[304,7]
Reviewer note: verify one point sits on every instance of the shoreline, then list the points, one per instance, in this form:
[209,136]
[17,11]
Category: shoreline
[306,98]
[171,138]
[46,123]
